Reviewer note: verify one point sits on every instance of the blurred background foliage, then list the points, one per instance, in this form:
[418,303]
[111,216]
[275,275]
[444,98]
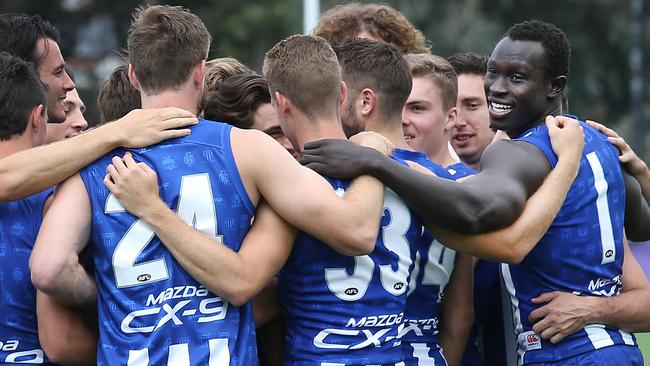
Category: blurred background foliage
[599,30]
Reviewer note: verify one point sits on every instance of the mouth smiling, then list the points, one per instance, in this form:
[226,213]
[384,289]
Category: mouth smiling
[499,109]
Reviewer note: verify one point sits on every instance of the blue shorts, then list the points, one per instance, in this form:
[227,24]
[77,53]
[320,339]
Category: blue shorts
[619,355]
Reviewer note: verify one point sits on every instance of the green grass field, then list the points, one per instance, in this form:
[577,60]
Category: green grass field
[644,344]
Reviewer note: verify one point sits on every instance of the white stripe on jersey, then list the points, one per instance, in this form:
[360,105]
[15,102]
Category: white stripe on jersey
[179,355]
[219,352]
[627,338]
[510,338]
[598,336]
[138,357]
[602,209]
[421,352]
[516,314]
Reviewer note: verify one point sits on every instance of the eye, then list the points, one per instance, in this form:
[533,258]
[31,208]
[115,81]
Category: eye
[517,77]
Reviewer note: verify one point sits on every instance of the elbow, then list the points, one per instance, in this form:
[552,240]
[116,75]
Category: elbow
[362,243]
[43,278]
[238,297]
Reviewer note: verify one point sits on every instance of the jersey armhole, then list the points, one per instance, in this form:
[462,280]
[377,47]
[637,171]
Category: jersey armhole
[233,170]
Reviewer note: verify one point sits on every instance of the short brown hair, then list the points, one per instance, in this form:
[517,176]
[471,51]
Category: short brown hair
[379,66]
[439,71]
[343,23]
[165,43]
[236,100]
[117,96]
[219,69]
[304,68]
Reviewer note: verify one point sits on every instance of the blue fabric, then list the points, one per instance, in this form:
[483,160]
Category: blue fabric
[149,307]
[20,221]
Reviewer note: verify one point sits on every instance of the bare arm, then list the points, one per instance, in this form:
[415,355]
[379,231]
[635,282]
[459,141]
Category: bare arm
[65,231]
[349,225]
[235,276]
[64,335]
[514,242]
[565,313]
[36,169]
[457,310]
[488,201]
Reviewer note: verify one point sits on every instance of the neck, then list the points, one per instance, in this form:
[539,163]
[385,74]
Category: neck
[316,129]
[15,145]
[392,130]
[440,153]
[184,99]
[552,110]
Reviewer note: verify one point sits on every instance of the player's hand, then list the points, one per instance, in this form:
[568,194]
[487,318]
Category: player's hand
[338,158]
[628,158]
[375,141]
[135,185]
[563,314]
[567,137]
[144,127]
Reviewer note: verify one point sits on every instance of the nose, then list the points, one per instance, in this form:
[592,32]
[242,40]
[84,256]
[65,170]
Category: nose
[68,84]
[80,124]
[495,85]
[284,141]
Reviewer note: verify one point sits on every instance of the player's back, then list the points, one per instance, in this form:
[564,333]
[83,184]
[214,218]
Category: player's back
[582,251]
[20,221]
[152,312]
[345,310]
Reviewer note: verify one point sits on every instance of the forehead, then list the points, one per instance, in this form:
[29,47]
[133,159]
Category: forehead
[425,87]
[265,117]
[471,85]
[49,52]
[523,54]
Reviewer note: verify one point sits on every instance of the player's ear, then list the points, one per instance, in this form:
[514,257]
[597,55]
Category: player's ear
[282,103]
[134,79]
[37,123]
[452,115]
[343,95]
[368,101]
[199,75]
[557,86]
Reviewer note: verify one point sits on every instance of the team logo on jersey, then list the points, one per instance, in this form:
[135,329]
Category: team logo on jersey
[188,159]
[168,163]
[529,341]
[351,291]
[144,277]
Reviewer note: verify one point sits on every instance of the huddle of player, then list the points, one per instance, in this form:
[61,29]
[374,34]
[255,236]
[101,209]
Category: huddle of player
[186,233]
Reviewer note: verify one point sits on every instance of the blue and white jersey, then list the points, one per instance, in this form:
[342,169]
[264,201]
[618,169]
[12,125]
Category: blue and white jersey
[20,221]
[151,311]
[345,310]
[434,264]
[582,251]
[460,170]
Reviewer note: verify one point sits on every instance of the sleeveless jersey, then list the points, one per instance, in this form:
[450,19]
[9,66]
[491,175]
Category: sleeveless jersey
[20,221]
[434,264]
[151,311]
[346,310]
[582,251]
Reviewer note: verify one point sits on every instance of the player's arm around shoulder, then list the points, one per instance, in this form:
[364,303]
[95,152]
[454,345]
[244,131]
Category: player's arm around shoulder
[36,169]
[54,262]
[236,276]
[305,199]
